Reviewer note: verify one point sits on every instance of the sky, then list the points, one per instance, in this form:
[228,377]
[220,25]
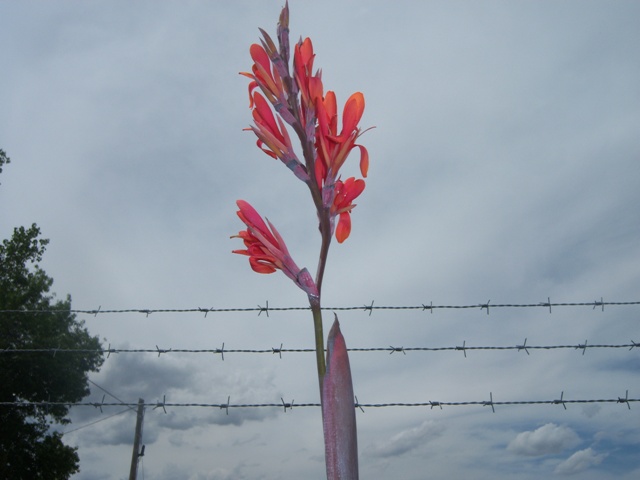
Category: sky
[504,168]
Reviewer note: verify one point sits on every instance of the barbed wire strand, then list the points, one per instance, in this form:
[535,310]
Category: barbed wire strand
[290,405]
[280,350]
[367,308]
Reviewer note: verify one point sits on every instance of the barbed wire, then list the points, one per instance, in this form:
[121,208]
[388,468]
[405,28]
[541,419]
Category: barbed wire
[280,350]
[366,307]
[290,405]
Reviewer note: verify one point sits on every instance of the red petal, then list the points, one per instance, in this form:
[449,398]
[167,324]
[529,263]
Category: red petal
[262,114]
[364,160]
[259,56]
[320,171]
[353,110]
[344,227]
[315,88]
[306,53]
[331,107]
[259,267]
[352,189]
[252,219]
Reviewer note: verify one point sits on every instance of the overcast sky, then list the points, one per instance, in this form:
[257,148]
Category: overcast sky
[505,166]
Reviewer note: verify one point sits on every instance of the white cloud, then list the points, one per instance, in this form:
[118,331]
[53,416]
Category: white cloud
[406,440]
[580,461]
[546,440]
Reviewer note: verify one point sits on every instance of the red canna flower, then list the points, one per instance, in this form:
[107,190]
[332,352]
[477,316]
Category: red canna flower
[267,251]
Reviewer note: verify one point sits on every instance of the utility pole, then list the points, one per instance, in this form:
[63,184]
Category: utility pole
[137,440]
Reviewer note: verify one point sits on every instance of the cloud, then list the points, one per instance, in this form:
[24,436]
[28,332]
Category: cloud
[580,461]
[132,376]
[407,440]
[546,440]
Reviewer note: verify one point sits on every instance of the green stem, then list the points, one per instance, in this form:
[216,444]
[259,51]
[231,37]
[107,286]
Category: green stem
[324,219]
[325,231]
[317,323]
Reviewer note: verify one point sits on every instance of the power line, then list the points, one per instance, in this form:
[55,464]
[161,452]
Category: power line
[122,402]
[98,421]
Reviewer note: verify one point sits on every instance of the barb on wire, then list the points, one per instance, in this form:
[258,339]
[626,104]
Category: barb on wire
[597,304]
[160,350]
[463,348]
[225,406]
[561,401]
[523,346]
[264,309]
[285,405]
[625,399]
[369,308]
[162,404]
[99,405]
[278,351]
[582,346]
[396,349]
[220,351]
[490,402]
[548,304]
[485,305]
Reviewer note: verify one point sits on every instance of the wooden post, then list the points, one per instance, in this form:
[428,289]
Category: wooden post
[137,440]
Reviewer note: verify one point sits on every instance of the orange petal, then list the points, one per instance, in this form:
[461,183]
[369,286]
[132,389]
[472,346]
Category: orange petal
[331,108]
[344,227]
[352,189]
[306,53]
[315,88]
[353,110]
[364,160]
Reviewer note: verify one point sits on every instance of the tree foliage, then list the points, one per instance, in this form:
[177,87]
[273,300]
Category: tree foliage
[28,449]
[3,159]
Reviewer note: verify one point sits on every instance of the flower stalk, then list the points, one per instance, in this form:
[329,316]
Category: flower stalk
[282,97]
